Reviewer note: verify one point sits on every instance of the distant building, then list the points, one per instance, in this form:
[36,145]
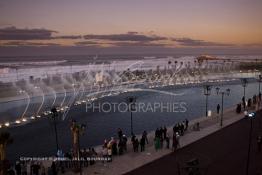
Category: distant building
[202,58]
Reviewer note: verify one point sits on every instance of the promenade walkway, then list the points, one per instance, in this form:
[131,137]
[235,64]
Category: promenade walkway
[130,160]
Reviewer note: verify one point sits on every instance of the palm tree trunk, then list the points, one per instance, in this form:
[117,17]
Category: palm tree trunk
[2,158]
[2,151]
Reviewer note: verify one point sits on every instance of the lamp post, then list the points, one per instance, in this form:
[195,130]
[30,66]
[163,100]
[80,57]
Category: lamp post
[207,92]
[77,130]
[222,93]
[131,106]
[259,81]
[251,117]
[244,84]
[54,116]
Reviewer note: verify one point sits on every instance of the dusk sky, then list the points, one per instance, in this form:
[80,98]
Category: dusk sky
[52,26]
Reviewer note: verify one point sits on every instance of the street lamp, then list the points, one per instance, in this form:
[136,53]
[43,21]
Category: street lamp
[259,81]
[251,116]
[54,116]
[222,93]
[131,106]
[207,92]
[244,84]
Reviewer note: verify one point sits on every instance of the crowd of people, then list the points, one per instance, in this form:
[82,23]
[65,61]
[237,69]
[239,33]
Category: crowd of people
[32,168]
[247,104]
[110,148]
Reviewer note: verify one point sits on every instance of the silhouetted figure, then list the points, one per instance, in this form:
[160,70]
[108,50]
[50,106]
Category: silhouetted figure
[161,132]
[133,140]
[53,168]
[244,102]
[167,141]
[119,133]
[161,142]
[18,168]
[142,144]
[175,142]
[157,143]
[238,109]
[124,143]
[104,153]
[186,122]
[175,129]
[136,145]
[164,132]
[249,102]
[144,135]
[35,168]
[218,109]
[114,148]
[120,147]
[157,133]
[254,99]
[181,128]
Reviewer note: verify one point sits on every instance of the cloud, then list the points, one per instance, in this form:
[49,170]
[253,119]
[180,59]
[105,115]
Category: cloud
[253,45]
[86,43]
[130,36]
[120,44]
[13,33]
[138,44]
[24,43]
[193,42]
[68,37]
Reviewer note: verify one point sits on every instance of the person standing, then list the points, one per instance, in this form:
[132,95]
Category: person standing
[119,133]
[23,168]
[218,109]
[136,145]
[133,140]
[187,122]
[244,102]
[18,168]
[167,141]
[142,144]
[165,131]
[124,143]
[144,135]
[161,142]
[104,153]
[42,169]
[175,144]
[110,157]
[161,132]
[120,147]
[53,168]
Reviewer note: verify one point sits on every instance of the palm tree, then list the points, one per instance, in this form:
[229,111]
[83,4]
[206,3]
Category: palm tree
[5,139]
[169,62]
